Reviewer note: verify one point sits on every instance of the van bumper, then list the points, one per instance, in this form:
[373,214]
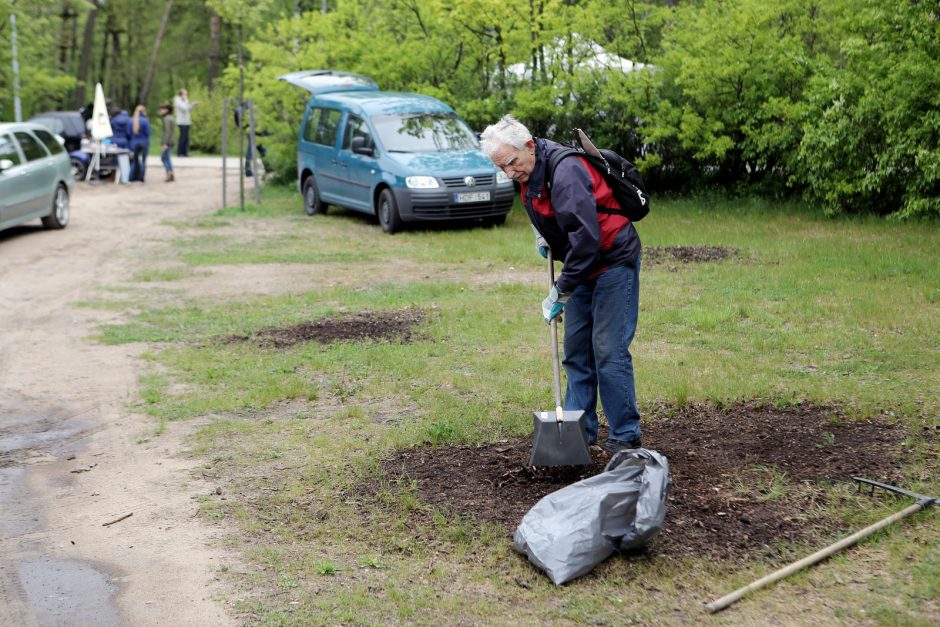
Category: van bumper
[419,205]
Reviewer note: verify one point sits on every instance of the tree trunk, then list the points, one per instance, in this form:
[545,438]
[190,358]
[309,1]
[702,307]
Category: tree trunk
[501,62]
[67,42]
[148,82]
[84,62]
[110,25]
[74,40]
[215,35]
[120,89]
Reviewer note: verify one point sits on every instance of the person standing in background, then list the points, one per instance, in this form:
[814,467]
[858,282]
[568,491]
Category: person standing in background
[120,128]
[169,135]
[183,106]
[139,143]
[121,134]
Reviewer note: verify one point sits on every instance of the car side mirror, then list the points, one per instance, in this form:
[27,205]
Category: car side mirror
[5,164]
[359,147]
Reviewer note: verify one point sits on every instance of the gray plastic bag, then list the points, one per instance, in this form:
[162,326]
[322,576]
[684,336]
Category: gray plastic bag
[572,530]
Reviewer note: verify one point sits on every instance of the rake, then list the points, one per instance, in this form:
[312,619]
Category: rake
[922,502]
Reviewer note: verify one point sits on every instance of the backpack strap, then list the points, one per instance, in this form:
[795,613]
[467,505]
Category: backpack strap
[567,152]
[553,162]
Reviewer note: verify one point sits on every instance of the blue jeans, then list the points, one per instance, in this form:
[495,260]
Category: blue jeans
[165,158]
[139,162]
[600,321]
[182,148]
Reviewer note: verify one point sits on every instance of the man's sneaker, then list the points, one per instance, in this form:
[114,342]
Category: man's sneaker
[615,446]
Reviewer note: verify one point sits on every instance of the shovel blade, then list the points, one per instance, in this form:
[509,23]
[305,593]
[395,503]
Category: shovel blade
[560,443]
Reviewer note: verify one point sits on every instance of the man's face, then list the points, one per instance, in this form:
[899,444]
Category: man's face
[516,163]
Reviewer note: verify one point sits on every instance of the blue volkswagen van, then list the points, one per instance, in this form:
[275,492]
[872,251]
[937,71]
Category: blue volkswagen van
[402,157]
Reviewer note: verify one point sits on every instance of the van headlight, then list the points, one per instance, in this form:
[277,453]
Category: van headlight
[421,182]
[502,178]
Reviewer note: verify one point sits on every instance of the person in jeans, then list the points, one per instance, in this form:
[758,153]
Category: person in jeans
[183,120]
[120,128]
[139,143]
[121,135]
[169,136]
[599,285]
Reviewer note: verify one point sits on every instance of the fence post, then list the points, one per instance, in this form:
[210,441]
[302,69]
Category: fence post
[253,145]
[224,147]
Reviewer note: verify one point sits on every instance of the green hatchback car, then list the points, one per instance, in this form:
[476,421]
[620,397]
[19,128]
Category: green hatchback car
[35,176]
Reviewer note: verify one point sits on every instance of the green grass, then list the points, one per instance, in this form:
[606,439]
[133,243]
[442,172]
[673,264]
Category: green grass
[822,311]
[837,312]
[161,274]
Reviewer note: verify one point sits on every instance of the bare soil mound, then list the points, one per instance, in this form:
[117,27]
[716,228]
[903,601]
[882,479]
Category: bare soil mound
[745,478]
[355,327]
[686,254]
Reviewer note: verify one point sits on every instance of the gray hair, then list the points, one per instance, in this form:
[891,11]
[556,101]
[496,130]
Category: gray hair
[507,132]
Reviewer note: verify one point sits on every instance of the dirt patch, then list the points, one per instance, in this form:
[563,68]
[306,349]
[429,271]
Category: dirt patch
[745,478]
[686,254]
[356,327]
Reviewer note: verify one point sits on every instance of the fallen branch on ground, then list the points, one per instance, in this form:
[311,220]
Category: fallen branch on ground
[117,520]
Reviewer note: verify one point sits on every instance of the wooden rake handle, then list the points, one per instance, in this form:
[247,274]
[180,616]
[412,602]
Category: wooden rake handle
[818,556]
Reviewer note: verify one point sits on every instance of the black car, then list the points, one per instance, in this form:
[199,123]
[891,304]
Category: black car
[69,124]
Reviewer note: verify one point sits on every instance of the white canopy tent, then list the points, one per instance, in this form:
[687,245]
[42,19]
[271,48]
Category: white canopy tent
[583,55]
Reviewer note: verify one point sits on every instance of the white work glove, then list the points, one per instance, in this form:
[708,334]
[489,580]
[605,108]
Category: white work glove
[552,306]
[540,244]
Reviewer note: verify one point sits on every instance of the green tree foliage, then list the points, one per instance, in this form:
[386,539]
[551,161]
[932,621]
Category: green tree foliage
[732,79]
[106,41]
[41,82]
[838,101]
[871,139]
[483,57]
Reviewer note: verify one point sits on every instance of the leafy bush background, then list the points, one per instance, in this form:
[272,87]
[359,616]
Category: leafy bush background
[838,102]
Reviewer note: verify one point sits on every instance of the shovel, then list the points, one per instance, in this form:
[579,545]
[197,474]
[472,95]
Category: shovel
[559,435]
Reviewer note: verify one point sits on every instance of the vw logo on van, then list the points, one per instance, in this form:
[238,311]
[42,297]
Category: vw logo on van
[469,181]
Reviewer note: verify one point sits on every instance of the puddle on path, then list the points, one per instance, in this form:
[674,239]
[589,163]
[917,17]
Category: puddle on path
[47,590]
[16,518]
[68,592]
[29,436]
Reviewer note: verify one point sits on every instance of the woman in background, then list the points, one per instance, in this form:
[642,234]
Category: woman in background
[183,120]
[139,143]
[169,136]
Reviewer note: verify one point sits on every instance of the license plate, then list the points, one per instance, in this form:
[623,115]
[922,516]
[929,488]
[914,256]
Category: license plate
[472,197]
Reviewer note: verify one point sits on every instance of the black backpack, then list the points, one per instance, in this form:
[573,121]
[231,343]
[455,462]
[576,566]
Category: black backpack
[622,176]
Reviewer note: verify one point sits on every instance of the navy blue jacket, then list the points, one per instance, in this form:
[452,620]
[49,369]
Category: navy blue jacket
[566,216]
[142,137]
[121,129]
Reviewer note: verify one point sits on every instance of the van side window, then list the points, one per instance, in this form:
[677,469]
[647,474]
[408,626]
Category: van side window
[8,149]
[310,130]
[356,127]
[31,147]
[327,126]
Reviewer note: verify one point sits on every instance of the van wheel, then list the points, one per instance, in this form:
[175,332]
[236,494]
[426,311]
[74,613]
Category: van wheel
[78,168]
[59,218]
[313,204]
[389,217]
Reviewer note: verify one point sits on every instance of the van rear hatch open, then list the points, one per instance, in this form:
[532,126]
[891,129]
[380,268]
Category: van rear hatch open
[326,81]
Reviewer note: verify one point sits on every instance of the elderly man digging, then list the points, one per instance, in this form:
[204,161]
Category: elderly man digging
[599,284]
